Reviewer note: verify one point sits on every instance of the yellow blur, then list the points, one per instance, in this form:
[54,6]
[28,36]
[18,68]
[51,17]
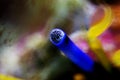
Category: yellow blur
[96,47]
[79,76]
[96,31]
[116,58]
[7,77]
[99,28]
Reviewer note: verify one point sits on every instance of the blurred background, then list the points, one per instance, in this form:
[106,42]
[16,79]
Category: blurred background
[26,52]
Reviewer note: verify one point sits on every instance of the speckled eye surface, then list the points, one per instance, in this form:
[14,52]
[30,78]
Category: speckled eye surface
[56,35]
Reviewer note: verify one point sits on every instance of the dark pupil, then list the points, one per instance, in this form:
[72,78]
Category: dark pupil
[56,36]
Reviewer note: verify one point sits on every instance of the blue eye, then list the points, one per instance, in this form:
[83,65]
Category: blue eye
[77,56]
[56,36]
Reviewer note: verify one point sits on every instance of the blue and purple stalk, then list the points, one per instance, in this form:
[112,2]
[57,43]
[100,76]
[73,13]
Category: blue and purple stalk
[77,56]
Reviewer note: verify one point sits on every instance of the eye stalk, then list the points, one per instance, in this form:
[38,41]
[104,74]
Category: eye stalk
[60,39]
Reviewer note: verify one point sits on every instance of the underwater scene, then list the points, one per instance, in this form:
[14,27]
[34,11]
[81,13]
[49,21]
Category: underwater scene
[59,40]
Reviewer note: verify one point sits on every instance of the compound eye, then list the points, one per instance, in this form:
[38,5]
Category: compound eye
[56,35]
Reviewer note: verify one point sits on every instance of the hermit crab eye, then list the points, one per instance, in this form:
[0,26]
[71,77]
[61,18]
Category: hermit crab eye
[56,35]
